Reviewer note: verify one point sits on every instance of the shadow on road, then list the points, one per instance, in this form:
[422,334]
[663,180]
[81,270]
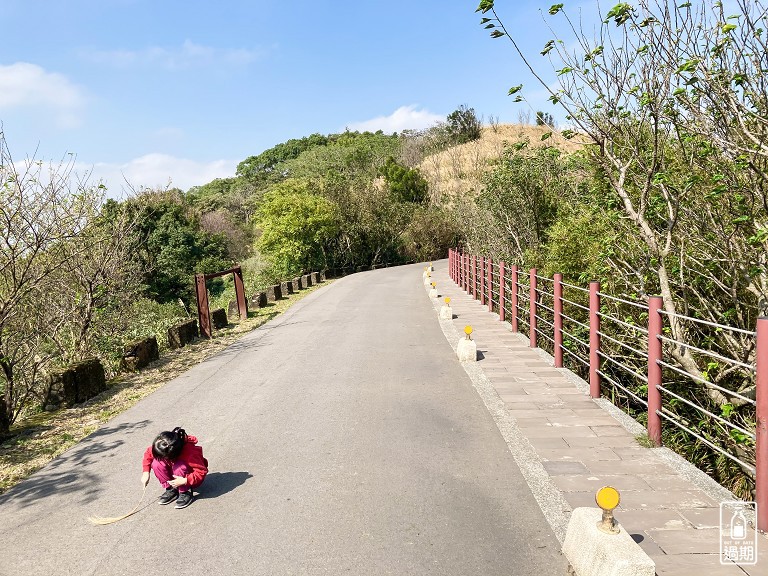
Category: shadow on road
[67,473]
[219,483]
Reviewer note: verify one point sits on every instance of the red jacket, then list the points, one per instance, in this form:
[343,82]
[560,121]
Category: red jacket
[191,454]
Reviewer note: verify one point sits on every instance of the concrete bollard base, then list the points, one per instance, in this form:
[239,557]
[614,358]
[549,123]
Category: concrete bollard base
[433,293]
[446,312]
[592,552]
[467,350]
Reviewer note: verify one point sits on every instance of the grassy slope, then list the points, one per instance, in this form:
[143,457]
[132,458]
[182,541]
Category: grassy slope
[458,170]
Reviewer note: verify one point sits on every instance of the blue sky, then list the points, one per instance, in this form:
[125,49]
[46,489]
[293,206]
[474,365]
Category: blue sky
[183,91]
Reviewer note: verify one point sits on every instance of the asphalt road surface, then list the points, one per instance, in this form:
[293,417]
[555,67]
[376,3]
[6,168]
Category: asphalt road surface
[343,438]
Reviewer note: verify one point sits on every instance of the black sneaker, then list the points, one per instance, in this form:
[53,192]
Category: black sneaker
[185,499]
[168,496]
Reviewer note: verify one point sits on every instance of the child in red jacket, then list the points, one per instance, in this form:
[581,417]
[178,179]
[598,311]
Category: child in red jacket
[178,464]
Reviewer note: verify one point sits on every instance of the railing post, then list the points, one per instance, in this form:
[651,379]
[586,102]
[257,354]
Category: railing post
[558,307]
[654,369]
[474,277]
[490,284]
[502,291]
[464,271]
[594,339]
[514,298]
[761,429]
[532,318]
[481,271]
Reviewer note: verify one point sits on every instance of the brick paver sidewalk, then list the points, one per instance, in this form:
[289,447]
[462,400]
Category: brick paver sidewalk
[583,447]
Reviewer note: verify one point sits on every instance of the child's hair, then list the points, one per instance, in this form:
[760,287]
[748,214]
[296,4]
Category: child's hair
[168,445]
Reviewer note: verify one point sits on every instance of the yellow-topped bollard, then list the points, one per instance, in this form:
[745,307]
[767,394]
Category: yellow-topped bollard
[446,313]
[608,498]
[433,290]
[467,348]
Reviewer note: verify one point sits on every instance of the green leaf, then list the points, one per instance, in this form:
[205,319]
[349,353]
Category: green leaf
[568,134]
[515,89]
[555,8]
[548,47]
[484,20]
[620,13]
[485,6]
[689,65]
[728,27]
[497,34]
[546,136]
[487,26]
[565,70]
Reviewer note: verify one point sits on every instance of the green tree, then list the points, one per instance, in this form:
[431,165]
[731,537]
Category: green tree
[171,246]
[297,227]
[463,125]
[405,184]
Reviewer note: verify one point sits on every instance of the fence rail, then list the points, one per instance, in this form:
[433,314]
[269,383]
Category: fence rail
[537,302]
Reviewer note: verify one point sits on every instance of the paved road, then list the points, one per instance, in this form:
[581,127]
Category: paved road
[343,437]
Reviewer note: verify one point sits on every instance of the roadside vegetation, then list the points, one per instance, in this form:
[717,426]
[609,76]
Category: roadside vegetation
[667,197]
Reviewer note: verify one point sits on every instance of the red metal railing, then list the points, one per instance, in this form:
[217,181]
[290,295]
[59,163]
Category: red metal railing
[501,288]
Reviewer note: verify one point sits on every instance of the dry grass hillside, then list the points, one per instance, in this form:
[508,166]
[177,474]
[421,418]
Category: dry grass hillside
[459,170]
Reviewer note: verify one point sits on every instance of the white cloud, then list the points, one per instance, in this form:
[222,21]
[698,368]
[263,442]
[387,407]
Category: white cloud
[404,118]
[157,171]
[28,85]
[188,55]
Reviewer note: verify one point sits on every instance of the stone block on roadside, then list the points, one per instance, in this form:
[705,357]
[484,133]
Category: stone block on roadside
[592,551]
[233,310]
[306,282]
[274,293]
[258,300]
[315,276]
[182,334]
[219,318]
[75,384]
[323,275]
[295,285]
[286,288]
[138,354]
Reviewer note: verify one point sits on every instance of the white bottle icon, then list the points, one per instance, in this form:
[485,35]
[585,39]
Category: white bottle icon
[738,526]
